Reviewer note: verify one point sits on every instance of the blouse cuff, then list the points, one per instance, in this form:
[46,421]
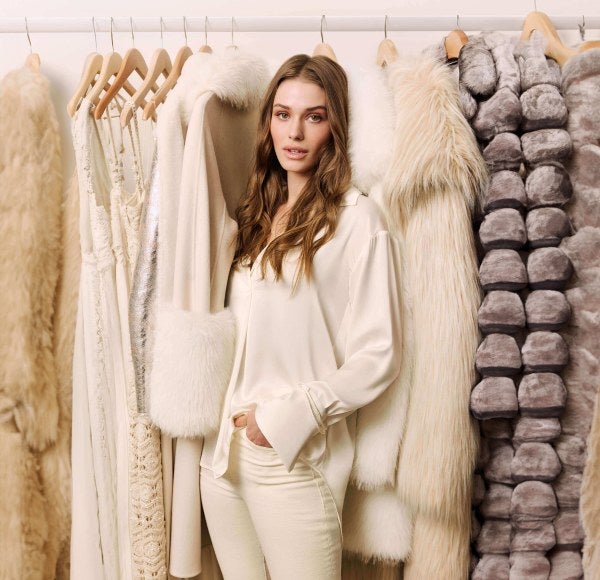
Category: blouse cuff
[288,422]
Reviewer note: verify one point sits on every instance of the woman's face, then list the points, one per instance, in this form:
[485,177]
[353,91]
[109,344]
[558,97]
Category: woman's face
[299,125]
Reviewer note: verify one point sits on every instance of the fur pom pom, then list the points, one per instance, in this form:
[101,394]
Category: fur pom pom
[193,358]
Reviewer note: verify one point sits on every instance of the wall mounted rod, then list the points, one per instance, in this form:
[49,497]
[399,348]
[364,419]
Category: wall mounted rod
[286,23]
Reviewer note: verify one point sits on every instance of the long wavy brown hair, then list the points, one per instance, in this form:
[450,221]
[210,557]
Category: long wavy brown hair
[317,206]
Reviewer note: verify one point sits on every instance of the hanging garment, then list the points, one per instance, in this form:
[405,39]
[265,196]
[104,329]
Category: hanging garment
[428,190]
[581,424]
[146,521]
[519,123]
[376,523]
[97,369]
[58,463]
[205,135]
[491,101]
[148,526]
[34,469]
[103,383]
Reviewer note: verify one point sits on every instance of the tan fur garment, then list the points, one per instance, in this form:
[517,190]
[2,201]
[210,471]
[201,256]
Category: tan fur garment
[30,201]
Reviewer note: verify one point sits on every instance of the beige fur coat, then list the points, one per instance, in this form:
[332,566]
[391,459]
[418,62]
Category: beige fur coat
[34,475]
[414,152]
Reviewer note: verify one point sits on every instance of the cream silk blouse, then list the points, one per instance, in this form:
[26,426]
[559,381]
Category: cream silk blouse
[310,359]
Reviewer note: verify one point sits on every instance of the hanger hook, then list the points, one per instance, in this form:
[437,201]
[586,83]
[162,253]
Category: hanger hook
[112,40]
[232,43]
[322,20]
[162,44]
[582,28]
[28,37]
[206,30]
[131,28]
[94,29]
[458,22]
[535,5]
[385,26]
[185,30]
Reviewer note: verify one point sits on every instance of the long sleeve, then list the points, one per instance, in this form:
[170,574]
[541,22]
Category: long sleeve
[371,362]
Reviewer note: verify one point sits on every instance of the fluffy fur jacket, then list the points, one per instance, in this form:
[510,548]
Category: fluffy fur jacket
[34,476]
[581,86]
[410,500]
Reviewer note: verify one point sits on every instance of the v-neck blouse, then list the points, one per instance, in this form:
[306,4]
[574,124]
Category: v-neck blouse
[311,358]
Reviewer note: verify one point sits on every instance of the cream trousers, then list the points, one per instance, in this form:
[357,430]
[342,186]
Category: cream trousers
[260,517]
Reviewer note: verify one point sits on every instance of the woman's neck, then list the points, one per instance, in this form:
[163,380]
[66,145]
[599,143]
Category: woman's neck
[295,183]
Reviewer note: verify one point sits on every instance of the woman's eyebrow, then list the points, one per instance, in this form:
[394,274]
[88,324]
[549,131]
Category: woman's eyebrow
[307,109]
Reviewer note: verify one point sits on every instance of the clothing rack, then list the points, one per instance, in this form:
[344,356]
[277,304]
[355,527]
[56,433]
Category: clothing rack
[283,23]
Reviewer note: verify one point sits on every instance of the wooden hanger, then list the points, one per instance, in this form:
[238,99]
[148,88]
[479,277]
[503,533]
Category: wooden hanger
[111,65]
[387,52]
[323,49]
[33,60]
[455,40]
[133,61]
[159,97]
[553,46]
[161,65]
[91,70]
[587,45]
[172,78]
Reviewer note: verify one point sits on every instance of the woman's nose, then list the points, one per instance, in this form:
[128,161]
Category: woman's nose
[296,130]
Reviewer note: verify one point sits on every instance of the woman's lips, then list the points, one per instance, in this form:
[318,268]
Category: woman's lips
[295,152]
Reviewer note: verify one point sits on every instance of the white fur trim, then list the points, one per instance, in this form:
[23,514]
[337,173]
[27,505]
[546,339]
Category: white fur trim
[372,119]
[376,525]
[193,359]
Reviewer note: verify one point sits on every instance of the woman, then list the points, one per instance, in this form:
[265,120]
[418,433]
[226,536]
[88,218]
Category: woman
[315,294]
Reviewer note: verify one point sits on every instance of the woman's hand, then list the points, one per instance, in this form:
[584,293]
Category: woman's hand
[253,432]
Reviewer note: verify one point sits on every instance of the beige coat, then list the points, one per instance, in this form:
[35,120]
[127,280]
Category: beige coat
[34,427]
[206,133]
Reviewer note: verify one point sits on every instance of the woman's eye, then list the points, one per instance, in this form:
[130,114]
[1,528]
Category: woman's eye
[282,115]
[315,118]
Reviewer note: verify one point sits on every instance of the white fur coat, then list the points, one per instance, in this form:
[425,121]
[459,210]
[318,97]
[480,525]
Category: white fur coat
[414,152]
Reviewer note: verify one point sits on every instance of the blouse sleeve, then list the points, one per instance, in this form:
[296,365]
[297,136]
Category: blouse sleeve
[372,358]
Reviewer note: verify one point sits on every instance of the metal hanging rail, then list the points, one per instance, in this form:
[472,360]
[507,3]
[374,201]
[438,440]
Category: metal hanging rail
[286,23]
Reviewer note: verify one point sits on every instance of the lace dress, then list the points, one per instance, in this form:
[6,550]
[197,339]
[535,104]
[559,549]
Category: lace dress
[111,519]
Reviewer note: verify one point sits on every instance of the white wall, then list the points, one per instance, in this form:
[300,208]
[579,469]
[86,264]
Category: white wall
[63,54]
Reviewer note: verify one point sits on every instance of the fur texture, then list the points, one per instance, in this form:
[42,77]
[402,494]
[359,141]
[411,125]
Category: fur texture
[200,367]
[369,513]
[431,188]
[590,506]
[55,461]
[380,425]
[30,200]
[371,128]
[581,86]
[433,179]
[24,532]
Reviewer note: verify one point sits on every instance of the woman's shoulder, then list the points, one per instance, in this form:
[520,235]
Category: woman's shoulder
[362,213]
